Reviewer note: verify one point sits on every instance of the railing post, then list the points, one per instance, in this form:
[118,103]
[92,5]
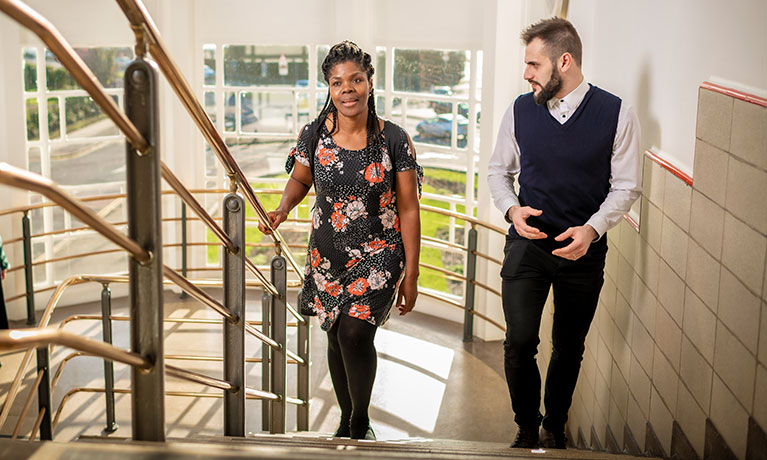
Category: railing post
[44,393]
[279,334]
[304,372]
[471,275]
[266,360]
[145,227]
[183,246]
[234,301]
[28,272]
[109,371]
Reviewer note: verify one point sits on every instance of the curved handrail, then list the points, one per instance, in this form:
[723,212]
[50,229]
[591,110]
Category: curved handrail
[41,27]
[144,26]
[14,339]
[472,220]
[19,178]
[28,403]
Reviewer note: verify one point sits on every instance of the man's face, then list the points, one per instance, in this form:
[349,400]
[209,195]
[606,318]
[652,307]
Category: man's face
[540,72]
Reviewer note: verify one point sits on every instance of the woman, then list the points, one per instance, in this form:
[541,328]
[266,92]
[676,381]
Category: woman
[365,241]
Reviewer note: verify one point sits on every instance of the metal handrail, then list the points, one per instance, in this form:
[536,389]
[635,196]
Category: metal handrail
[196,377]
[472,220]
[33,338]
[19,178]
[190,201]
[145,28]
[250,393]
[198,294]
[41,27]
[28,403]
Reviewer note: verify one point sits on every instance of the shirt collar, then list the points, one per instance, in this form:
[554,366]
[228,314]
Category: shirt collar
[573,99]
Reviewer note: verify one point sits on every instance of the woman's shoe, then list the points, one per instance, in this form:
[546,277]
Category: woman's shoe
[369,434]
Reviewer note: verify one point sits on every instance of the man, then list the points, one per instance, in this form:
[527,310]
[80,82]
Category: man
[576,150]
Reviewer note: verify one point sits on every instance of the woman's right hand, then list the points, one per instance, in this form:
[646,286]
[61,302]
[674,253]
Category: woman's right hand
[276,217]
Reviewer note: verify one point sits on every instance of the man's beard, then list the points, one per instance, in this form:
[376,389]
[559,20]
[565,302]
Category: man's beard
[550,90]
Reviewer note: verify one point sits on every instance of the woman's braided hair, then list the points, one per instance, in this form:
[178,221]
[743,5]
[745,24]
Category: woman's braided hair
[345,51]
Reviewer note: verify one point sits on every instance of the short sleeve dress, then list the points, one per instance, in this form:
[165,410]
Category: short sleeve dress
[355,258]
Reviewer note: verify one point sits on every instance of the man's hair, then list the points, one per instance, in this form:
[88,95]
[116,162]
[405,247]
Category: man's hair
[558,35]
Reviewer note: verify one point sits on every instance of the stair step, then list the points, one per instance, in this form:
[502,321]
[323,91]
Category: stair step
[319,446]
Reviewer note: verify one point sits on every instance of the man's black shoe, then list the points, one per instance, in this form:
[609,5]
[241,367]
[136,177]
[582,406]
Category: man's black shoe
[527,438]
[555,440]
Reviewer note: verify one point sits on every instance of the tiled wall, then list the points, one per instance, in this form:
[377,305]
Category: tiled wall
[680,335]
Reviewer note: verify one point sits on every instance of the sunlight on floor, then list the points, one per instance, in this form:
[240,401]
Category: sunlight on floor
[411,380]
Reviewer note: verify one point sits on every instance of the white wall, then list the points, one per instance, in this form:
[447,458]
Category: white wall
[655,53]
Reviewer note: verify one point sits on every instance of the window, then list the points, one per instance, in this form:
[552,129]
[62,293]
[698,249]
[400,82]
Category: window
[67,133]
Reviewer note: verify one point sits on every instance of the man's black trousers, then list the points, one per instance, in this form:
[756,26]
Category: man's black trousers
[528,272]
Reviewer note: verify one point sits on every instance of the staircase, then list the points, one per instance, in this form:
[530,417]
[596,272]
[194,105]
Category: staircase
[291,446]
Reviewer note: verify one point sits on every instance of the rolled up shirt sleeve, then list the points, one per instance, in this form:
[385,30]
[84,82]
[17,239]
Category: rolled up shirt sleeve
[504,165]
[625,173]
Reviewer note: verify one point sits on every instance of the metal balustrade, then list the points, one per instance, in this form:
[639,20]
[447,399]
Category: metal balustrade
[148,275]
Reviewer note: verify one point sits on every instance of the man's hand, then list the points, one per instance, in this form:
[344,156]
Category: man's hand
[582,237]
[518,216]
[3,273]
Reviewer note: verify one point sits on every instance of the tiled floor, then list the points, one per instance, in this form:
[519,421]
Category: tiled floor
[429,383]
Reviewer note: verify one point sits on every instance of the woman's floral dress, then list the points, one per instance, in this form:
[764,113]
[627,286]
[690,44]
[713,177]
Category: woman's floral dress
[356,258]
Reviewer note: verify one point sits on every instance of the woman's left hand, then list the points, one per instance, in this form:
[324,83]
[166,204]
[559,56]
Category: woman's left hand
[408,291]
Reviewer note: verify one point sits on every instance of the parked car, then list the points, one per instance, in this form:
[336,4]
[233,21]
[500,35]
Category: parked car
[249,118]
[439,129]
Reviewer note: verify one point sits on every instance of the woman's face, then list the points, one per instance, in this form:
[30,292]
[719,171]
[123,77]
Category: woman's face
[349,88]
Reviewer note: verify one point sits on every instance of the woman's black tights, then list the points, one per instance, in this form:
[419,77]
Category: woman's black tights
[352,364]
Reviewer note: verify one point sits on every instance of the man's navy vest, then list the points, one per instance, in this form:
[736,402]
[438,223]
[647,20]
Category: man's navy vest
[565,168]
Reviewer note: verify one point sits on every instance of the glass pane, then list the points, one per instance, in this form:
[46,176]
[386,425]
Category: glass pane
[248,118]
[479,57]
[396,111]
[210,105]
[107,63]
[476,132]
[302,108]
[381,106]
[260,158]
[321,98]
[230,108]
[432,121]
[30,69]
[59,217]
[54,126]
[209,64]
[33,120]
[72,164]
[36,220]
[272,112]
[85,118]
[322,52]
[252,65]
[33,160]
[211,162]
[380,74]
[442,72]
[38,253]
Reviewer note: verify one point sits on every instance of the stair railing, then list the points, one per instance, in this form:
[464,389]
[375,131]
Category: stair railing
[146,269]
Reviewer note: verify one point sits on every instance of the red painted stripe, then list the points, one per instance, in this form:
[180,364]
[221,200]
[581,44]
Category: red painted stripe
[631,221]
[735,93]
[673,169]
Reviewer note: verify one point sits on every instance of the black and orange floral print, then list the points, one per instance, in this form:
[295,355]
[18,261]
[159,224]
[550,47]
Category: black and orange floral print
[355,259]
